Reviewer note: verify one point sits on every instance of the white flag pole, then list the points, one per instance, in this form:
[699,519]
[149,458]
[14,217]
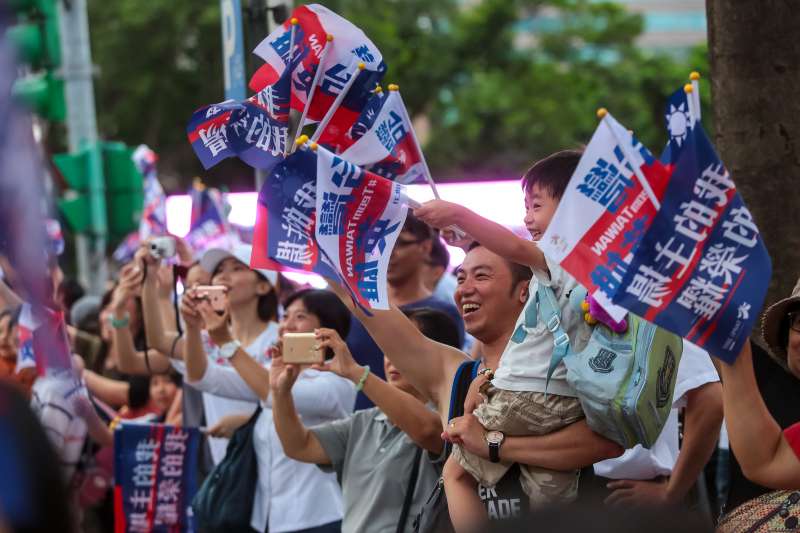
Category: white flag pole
[695,77]
[293,21]
[693,114]
[317,74]
[602,114]
[336,103]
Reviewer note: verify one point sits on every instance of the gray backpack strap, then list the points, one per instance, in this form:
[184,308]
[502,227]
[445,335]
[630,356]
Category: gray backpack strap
[550,312]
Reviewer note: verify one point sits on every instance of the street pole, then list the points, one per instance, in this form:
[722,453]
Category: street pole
[82,133]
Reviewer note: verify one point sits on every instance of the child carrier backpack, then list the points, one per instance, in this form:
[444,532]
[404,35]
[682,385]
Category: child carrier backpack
[624,381]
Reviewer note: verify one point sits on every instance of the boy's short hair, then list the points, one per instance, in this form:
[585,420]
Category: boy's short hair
[420,230]
[552,173]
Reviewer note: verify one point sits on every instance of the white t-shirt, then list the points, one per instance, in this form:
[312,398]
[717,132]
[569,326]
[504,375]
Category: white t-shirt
[290,495]
[694,370]
[526,358]
[52,401]
[216,407]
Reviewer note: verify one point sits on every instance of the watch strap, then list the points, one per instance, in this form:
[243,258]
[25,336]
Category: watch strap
[494,452]
[229,348]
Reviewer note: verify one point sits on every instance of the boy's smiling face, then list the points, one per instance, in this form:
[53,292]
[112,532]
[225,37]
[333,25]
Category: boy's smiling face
[540,207]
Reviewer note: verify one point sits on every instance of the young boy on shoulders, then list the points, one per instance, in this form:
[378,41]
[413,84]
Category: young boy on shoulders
[520,399]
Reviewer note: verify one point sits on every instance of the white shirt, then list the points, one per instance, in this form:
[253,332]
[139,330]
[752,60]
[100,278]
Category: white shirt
[694,370]
[290,495]
[526,358]
[216,407]
[52,401]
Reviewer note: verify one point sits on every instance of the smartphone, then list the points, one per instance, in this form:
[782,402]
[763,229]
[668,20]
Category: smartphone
[217,296]
[298,348]
[163,247]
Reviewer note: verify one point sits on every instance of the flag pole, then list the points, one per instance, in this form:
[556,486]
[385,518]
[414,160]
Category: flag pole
[293,21]
[428,176]
[602,114]
[336,103]
[317,74]
[695,77]
[693,114]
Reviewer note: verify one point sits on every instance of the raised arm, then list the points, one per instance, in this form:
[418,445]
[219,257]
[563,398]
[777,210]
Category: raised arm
[405,411]
[111,391]
[8,298]
[493,236]
[573,447]
[756,438]
[157,336]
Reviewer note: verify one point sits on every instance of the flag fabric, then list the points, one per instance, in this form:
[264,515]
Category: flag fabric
[359,216]
[349,47]
[604,212]
[701,270]
[678,121]
[154,477]
[208,132]
[43,341]
[283,236]
[209,226]
[384,142]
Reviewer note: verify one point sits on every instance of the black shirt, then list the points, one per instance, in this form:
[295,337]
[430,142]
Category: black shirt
[781,392]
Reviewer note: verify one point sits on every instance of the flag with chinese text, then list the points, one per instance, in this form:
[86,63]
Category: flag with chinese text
[359,216]
[604,212]
[208,227]
[701,270]
[154,478]
[208,132]
[43,341]
[383,140]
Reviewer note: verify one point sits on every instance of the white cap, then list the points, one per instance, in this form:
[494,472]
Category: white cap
[241,252]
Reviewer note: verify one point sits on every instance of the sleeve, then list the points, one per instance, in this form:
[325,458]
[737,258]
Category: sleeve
[694,370]
[334,437]
[792,436]
[321,395]
[220,381]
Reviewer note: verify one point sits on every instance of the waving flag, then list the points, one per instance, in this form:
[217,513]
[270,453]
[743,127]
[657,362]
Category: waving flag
[359,216]
[208,132]
[349,47]
[209,225]
[385,142]
[604,212]
[43,342]
[702,269]
[678,121]
[283,237]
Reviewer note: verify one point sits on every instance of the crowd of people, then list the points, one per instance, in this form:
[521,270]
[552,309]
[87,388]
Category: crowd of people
[439,413]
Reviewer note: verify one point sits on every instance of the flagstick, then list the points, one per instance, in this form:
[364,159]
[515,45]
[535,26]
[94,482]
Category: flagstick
[290,66]
[693,115]
[317,74]
[336,103]
[695,77]
[602,114]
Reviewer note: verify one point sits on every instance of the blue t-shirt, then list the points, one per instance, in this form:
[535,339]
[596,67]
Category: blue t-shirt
[366,352]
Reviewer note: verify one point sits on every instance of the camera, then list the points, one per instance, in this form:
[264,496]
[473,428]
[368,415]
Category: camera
[162,247]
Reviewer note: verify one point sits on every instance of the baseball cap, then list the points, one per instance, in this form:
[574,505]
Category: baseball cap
[241,252]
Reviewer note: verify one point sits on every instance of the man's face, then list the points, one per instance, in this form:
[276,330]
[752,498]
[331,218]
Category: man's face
[540,207]
[485,297]
[408,256]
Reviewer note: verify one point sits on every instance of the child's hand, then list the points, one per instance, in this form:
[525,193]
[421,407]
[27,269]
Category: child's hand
[457,240]
[438,213]
[476,394]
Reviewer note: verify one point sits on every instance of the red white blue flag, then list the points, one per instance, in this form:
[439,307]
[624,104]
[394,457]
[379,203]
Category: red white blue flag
[154,478]
[701,270]
[604,212]
[43,341]
[209,226]
[359,216]
[383,141]
[678,121]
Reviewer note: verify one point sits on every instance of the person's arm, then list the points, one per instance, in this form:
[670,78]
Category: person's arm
[573,447]
[298,442]
[157,336]
[493,236]
[426,364]
[409,414]
[111,391]
[8,298]
[756,438]
[97,429]
[702,420]
[227,425]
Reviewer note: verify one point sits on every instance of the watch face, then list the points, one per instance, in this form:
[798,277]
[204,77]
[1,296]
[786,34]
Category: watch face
[494,437]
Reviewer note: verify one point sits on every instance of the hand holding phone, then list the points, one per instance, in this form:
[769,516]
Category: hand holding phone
[301,349]
[217,296]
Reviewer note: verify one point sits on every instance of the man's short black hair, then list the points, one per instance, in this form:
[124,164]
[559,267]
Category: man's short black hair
[552,173]
[420,230]
[518,272]
[439,255]
[436,325]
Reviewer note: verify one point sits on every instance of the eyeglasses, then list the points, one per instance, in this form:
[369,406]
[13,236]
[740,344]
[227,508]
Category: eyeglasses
[794,320]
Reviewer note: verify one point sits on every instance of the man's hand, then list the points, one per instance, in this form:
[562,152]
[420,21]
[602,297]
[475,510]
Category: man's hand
[467,432]
[630,493]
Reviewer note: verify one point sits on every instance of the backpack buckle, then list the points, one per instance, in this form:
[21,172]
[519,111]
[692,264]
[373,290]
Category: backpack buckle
[561,340]
[553,323]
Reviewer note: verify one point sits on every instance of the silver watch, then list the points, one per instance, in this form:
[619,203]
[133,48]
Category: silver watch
[227,350]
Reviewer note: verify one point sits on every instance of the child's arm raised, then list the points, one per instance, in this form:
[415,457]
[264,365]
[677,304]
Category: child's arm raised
[495,237]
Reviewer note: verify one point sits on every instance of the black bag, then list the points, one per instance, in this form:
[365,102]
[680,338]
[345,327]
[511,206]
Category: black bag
[434,517]
[224,502]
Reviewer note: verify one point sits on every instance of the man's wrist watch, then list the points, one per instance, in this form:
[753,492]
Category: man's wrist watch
[227,350]
[495,439]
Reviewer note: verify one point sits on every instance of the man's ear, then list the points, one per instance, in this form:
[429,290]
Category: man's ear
[522,291]
[427,245]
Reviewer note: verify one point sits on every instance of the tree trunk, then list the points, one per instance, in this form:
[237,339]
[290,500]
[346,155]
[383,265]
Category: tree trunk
[755,73]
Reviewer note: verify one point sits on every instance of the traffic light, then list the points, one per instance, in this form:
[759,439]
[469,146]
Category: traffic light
[36,39]
[115,209]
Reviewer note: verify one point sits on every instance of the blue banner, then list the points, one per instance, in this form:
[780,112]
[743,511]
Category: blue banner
[155,477]
[233,50]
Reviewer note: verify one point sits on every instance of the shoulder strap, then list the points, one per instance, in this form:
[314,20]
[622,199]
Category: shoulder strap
[458,393]
[412,483]
[550,312]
